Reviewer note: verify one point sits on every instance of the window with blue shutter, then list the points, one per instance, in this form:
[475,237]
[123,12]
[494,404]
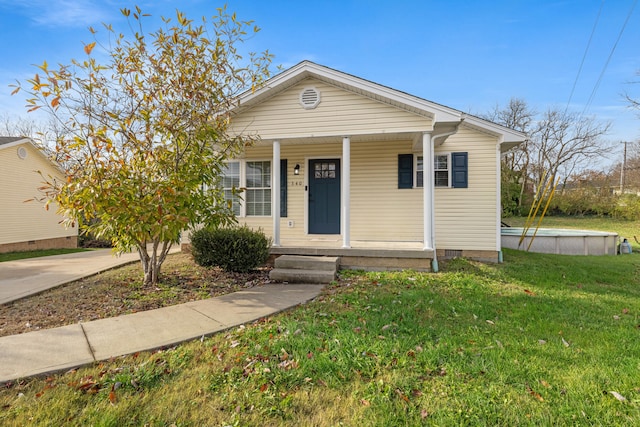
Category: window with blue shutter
[459,170]
[405,170]
[450,170]
[283,188]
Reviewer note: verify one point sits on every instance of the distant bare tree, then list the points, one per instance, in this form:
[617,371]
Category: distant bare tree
[44,134]
[631,175]
[515,163]
[563,143]
[560,144]
[633,102]
[17,126]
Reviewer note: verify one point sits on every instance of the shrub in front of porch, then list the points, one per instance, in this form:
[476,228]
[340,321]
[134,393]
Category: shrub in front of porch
[237,249]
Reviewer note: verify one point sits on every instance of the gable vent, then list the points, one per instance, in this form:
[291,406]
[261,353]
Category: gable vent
[309,98]
[22,152]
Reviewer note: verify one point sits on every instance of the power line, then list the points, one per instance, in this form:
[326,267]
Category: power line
[584,56]
[613,48]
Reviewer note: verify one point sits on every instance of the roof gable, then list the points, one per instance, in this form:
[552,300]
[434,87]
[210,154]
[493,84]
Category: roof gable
[7,142]
[439,114]
[336,111]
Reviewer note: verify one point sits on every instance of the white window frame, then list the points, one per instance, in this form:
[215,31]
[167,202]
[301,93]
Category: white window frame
[261,189]
[419,159]
[236,198]
[447,170]
[243,189]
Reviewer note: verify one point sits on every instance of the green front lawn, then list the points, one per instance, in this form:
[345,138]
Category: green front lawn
[539,340]
[13,256]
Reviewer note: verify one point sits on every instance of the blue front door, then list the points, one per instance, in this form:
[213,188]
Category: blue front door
[324,196]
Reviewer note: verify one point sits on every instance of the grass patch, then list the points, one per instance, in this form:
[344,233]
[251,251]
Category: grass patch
[13,256]
[539,340]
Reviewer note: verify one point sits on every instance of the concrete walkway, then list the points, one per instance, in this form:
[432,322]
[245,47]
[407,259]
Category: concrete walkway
[60,349]
[25,277]
[67,347]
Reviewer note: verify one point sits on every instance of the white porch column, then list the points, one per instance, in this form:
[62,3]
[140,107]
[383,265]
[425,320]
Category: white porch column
[275,192]
[428,199]
[346,192]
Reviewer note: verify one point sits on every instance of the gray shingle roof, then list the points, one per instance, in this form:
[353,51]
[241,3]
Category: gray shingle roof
[9,139]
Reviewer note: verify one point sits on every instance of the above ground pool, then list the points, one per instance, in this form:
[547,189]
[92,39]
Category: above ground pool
[562,241]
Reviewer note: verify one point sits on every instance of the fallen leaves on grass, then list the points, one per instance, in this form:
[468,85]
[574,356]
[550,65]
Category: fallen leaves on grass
[112,395]
[49,384]
[401,395]
[535,394]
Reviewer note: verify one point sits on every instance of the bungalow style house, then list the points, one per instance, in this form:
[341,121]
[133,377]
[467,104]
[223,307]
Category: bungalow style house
[379,178]
[28,225]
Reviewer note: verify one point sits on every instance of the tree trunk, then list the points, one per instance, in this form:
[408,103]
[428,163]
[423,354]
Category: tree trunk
[152,255]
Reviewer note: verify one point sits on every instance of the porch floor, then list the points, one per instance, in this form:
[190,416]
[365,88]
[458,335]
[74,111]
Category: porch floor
[367,255]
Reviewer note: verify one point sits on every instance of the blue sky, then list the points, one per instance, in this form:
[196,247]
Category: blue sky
[466,54]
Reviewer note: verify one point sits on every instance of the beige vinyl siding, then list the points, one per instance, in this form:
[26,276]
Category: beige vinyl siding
[466,218]
[339,113]
[19,181]
[379,210]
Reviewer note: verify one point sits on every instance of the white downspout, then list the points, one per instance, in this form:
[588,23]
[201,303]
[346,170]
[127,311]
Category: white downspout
[434,262]
[275,193]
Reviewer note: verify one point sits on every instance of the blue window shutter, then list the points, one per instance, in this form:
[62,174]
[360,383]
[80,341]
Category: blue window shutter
[283,188]
[459,170]
[405,170]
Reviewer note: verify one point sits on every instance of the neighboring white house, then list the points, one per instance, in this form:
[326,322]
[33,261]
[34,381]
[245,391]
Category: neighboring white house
[28,225]
[378,177]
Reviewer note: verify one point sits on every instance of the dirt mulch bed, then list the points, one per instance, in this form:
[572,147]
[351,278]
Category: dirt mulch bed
[120,291]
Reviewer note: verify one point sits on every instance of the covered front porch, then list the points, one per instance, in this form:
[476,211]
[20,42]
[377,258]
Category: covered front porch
[393,228]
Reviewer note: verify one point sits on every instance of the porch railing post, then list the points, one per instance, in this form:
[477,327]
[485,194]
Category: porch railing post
[275,192]
[346,192]
[428,199]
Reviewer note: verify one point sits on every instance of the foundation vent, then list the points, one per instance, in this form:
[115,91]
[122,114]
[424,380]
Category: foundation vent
[452,253]
[309,98]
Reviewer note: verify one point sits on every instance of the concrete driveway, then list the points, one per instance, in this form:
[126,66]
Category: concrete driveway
[21,278]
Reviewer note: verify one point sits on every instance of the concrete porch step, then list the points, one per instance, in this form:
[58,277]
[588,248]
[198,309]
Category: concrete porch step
[301,262]
[305,269]
[301,276]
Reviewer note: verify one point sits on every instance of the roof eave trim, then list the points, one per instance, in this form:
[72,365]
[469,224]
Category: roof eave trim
[509,136]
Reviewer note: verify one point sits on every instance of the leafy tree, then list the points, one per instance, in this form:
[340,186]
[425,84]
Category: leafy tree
[145,128]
